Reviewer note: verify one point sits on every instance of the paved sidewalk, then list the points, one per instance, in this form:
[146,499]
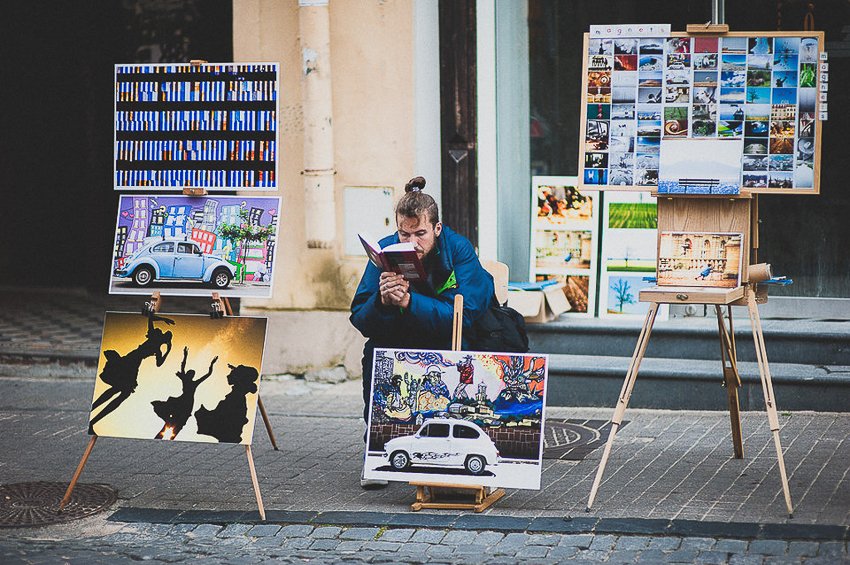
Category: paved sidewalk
[672,491]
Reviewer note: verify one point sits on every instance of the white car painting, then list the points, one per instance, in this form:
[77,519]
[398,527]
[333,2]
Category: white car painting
[444,442]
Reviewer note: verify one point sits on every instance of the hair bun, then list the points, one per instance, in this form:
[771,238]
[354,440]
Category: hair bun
[415,184]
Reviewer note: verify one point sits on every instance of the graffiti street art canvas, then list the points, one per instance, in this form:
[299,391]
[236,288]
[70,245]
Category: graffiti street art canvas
[457,417]
[188,245]
[178,377]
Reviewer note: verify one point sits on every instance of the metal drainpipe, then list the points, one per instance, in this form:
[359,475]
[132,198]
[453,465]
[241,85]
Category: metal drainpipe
[320,202]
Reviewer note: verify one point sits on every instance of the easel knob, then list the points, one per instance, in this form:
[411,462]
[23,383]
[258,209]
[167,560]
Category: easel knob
[194,191]
[151,307]
[220,307]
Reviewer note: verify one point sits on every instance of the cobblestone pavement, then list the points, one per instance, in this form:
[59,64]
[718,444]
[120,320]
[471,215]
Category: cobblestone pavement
[299,543]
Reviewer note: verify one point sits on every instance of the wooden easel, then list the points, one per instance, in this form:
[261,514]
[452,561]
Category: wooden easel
[427,492]
[716,215]
[220,307]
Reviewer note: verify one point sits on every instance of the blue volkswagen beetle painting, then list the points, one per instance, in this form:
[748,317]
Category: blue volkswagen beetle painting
[176,260]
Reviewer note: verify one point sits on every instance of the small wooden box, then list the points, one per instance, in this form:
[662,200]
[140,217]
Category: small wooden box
[691,294]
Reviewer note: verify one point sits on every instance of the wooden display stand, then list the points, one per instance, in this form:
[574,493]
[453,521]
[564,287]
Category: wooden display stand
[426,492]
[220,307]
[695,214]
[426,497]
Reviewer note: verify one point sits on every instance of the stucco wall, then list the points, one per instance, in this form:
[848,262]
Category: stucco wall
[371,60]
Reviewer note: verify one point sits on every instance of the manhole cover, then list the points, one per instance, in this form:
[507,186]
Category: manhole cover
[25,505]
[574,439]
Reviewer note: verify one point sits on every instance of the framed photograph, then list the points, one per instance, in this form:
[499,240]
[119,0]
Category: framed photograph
[564,234]
[629,253]
[700,259]
[178,377]
[457,417]
[700,166]
[700,88]
[210,126]
[195,245]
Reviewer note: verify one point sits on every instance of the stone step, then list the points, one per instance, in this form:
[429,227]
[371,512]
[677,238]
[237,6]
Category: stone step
[807,342]
[693,384]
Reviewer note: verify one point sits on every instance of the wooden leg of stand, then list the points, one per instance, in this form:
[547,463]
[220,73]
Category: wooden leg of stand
[731,378]
[256,483]
[623,400]
[77,474]
[266,422]
[457,323]
[767,389]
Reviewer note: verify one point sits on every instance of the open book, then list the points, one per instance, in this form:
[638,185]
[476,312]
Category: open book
[399,258]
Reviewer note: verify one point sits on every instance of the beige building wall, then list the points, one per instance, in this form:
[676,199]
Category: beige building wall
[371,76]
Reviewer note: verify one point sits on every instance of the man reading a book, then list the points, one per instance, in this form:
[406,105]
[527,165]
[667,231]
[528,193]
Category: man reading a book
[393,312]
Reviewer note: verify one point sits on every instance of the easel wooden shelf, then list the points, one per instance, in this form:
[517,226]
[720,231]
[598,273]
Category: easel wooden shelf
[426,497]
[694,214]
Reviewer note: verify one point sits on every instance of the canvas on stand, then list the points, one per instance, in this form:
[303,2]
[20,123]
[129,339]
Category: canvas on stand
[457,417]
[178,377]
[700,259]
[195,245]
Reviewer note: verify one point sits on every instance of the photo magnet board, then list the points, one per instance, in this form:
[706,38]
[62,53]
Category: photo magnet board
[758,91]
[178,377]
[457,417]
[195,245]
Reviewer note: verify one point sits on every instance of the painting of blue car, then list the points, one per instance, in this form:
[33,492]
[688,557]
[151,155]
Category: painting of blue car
[176,260]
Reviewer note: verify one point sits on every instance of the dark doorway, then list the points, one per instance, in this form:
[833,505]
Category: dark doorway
[458,119]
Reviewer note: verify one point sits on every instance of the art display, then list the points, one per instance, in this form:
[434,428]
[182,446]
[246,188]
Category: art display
[700,259]
[629,253]
[649,100]
[192,245]
[564,227]
[457,417]
[210,126]
[178,377]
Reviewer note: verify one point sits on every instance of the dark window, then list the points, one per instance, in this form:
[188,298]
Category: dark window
[465,432]
[163,248]
[436,430]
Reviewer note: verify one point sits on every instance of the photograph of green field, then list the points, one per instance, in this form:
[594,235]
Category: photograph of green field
[631,265]
[633,215]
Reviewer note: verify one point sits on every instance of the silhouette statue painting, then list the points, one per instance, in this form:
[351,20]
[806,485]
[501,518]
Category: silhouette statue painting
[226,420]
[176,410]
[122,373]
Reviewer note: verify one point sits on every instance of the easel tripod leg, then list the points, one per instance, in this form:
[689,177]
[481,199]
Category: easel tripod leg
[623,400]
[769,400]
[731,378]
[256,483]
[77,474]
[266,421]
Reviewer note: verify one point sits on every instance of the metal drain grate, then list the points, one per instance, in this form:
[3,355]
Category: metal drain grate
[573,439]
[24,505]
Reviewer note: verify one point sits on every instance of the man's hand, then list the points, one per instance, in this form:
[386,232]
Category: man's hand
[395,291]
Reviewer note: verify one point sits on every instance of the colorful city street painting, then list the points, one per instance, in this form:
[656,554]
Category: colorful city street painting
[195,245]
[457,417]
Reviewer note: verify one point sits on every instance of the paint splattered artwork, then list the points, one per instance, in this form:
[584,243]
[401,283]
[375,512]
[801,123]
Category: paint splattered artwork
[457,417]
[178,377]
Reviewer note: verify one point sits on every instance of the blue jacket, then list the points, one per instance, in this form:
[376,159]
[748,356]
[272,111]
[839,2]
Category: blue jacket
[427,322]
